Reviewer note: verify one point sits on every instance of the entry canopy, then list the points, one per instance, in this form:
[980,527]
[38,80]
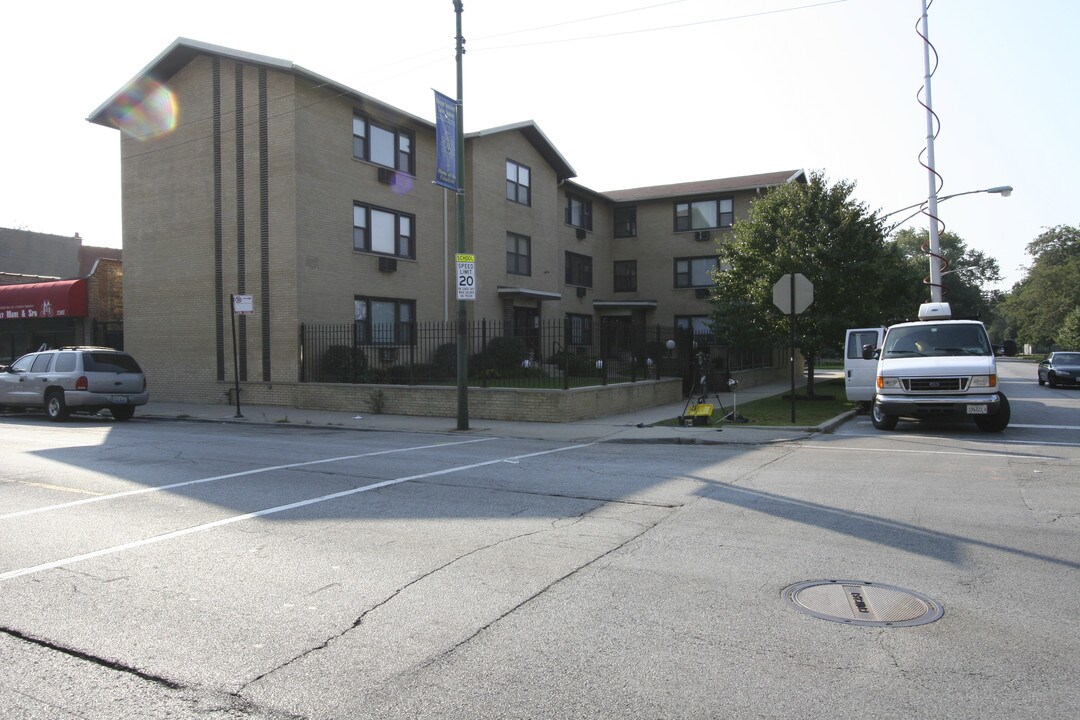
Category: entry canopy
[58,299]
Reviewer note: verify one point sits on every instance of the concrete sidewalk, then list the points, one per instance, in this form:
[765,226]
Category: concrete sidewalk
[633,427]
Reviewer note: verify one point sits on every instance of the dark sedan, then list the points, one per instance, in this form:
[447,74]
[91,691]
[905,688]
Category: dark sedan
[1060,368]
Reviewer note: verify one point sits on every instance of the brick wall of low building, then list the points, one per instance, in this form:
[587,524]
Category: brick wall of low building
[105,291]
[514,404]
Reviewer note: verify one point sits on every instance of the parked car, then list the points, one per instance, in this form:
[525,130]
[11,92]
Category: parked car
[1060,368]
[75,379]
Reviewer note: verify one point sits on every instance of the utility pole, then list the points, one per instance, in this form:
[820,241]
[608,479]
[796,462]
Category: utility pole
[462,330]
[932,201]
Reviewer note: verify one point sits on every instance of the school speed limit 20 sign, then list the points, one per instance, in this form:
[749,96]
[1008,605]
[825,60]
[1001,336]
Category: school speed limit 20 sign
[466,276]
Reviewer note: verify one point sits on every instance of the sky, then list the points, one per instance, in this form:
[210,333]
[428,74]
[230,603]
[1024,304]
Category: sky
[631,92]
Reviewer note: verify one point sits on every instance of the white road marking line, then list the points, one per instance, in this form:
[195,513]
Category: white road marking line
[61,488]
[1045,427]
[909,451]
[997,441]
[269,511]
[172,486]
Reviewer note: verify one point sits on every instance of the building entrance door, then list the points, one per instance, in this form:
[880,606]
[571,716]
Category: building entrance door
[527,327]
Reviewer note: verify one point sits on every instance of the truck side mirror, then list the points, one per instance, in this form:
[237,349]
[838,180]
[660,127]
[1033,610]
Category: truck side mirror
[869,352]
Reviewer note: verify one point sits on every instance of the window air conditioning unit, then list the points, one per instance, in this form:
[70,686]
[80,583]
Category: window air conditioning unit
[701,293]
[581,292]
[387,264]
[386,176]
[581,233]
[702,235]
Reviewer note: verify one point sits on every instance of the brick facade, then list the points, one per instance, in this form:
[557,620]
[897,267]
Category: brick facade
[253,192]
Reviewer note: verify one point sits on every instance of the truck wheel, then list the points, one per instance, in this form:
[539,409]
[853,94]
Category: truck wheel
[55,407]
[122,412]
[881,420]
[998,421]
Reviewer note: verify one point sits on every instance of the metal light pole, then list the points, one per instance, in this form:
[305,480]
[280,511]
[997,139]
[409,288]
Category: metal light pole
[935,240]
[1002,190]
[462,334]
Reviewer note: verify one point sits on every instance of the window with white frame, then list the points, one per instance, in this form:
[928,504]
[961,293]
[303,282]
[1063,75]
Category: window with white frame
[383,144]
[704,214]
[382,231]
[518,183]
[695,272]
[384,321]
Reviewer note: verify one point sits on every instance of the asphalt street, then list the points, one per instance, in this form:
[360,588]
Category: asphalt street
[191,569]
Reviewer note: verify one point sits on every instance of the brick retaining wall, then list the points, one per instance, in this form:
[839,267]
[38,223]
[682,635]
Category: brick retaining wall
[524,404]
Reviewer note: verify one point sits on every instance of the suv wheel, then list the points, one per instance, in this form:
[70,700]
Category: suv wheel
[881,420]
[122,412]
[55,407]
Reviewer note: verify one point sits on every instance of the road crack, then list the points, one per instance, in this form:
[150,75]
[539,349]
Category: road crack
[539,593]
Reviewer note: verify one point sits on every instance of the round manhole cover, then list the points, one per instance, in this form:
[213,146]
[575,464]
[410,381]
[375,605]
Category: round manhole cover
[858,602]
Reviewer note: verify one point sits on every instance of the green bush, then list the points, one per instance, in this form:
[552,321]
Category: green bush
[446,360]
[575,364]
[501,357]
[342,363]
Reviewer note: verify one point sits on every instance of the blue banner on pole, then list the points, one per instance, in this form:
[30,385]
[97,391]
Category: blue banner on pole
[446,166]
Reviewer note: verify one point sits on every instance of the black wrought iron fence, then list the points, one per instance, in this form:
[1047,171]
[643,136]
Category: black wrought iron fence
[567,353]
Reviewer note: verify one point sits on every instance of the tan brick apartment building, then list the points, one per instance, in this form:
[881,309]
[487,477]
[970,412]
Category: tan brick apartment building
[317,200]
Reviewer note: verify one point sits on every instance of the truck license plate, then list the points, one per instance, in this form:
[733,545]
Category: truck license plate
[977,410]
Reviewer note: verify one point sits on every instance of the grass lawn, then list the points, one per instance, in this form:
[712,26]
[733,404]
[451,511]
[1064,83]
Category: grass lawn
[776,410]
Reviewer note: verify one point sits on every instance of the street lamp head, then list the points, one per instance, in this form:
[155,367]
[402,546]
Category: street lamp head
[1002,190]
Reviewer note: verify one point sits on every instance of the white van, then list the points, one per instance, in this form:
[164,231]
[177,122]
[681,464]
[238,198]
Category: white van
[860,374]
[935,367]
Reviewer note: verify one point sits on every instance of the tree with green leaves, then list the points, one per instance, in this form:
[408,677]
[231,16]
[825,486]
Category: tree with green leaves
[817,229]
[962,280]
[1069,334]
[1038,305]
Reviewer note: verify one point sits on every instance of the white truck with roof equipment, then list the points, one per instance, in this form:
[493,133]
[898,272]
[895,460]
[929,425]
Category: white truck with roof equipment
[937,367]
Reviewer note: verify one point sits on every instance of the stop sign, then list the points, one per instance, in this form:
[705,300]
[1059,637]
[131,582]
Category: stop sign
[804,294]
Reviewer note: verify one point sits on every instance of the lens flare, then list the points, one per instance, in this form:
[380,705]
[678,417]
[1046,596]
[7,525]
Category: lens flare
[145,110]
[402,184]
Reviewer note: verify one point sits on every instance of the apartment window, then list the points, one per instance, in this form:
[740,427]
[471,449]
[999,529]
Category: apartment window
[383,321]
[382,231]
[518,183]
[383,145]
[698,325]
[626,221]
[578,212]
[578,329]
[578,270]
[704,214]
[695,272]
[518,254]
[625,275]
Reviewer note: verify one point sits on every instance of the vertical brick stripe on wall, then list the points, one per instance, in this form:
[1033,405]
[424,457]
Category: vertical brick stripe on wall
[219,288]
[241,237]
[264,224]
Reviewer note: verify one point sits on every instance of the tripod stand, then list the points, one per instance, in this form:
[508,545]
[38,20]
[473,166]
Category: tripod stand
[734,415]
[697,412]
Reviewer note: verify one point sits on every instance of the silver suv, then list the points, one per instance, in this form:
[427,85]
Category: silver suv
[75,379]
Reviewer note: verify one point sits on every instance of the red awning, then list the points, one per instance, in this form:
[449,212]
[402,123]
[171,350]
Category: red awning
[62,298]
